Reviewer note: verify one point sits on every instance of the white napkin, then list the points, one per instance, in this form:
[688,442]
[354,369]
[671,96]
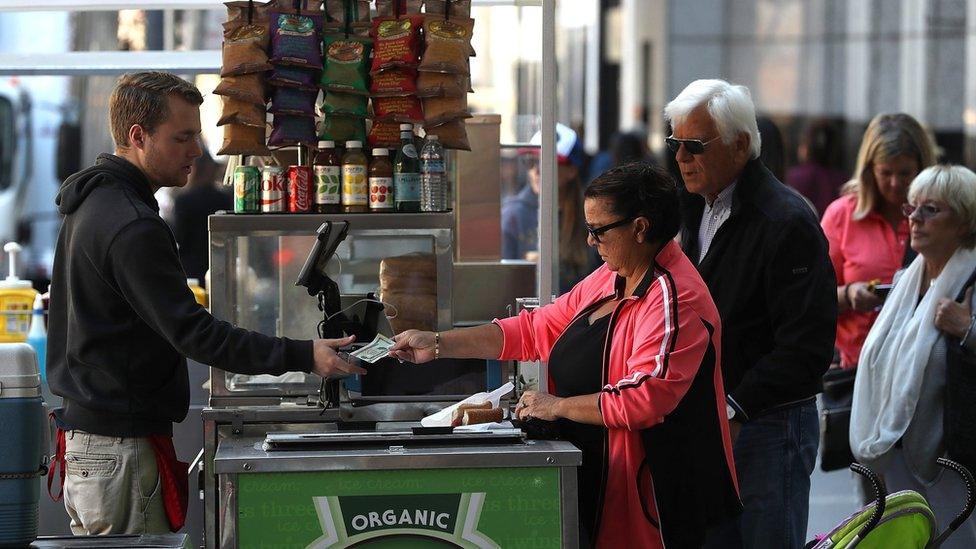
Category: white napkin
[443,417]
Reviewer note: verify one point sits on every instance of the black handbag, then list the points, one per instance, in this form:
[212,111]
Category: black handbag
[959,415]
[835,419]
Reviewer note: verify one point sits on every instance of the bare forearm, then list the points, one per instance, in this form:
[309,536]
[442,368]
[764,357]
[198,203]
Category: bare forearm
[581,409]
[483,341]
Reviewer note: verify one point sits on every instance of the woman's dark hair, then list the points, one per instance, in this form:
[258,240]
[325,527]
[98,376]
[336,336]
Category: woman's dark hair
[641,189]
[627,147]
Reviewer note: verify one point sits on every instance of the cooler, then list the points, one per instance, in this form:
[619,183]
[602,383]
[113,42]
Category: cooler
[22,444]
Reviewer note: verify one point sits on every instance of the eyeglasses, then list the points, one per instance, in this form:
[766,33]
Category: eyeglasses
[925,211]
[595,232]
[694,146]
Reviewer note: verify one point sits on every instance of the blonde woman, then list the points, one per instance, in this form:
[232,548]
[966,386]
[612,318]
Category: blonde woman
[897,419]
[865,228]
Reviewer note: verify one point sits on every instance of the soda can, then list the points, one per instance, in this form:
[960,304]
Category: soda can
[273,189]
[299,189]
[247,189]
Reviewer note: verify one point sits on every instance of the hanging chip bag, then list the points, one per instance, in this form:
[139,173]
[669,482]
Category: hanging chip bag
[396,42]
[384,134]
[242,113]
[439,110]
[432,84]
[296,101]
[287,130]
[346,63]
[296,77]
[396,8]
[400,109]
[452,135]
[243,53]
[295,40]
[243,87]
[345,103]
[358,11]
[247,140]
[447,45]
[343,128]
[394,82]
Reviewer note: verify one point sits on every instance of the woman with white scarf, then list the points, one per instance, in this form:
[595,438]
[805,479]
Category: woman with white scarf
[896,419]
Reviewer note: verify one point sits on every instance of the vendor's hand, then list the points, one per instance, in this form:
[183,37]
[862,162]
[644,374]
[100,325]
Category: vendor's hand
[954,318]
[327,361]
[414,346]
[537,405]
[862,298]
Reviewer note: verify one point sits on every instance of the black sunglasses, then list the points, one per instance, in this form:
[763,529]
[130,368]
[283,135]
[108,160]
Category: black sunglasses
[595,232]
[694,146]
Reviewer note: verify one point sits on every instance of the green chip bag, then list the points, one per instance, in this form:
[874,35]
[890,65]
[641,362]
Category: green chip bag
[346,64]
[345,103]
[341,127]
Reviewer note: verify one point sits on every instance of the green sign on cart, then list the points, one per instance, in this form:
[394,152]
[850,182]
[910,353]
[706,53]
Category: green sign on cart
[467,508]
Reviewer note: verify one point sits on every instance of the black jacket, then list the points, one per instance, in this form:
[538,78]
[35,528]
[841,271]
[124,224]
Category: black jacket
[190,211]
[122,318]
[771,278]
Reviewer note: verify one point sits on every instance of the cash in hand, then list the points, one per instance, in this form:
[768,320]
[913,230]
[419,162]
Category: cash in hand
[375,350]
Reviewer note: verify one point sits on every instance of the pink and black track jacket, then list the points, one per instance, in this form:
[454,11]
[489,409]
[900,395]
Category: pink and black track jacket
[670,471]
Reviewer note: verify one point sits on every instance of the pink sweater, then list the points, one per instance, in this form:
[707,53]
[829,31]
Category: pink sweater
[661,337]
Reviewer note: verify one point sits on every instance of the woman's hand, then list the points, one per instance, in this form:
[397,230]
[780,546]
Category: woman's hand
[862,298]
[414,346]
[954,318]
[537,405]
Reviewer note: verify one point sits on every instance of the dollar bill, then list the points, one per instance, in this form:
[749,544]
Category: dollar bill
[375,350]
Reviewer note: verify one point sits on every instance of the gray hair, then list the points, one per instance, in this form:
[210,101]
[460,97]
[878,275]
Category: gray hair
[954,185]
[730,106]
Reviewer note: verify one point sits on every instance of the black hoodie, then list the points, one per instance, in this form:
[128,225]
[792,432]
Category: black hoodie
[122,319]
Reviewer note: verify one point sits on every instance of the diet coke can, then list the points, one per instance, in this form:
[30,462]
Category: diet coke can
[299,189]
[273,189]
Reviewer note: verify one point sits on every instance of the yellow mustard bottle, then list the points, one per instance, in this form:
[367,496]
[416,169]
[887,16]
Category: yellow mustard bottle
[16,301]
[198,292]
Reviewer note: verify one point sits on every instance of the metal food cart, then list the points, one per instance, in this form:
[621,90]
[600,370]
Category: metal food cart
[287,467]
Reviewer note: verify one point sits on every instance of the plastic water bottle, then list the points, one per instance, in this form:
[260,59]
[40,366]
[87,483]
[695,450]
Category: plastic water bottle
[37,337]
[434,187]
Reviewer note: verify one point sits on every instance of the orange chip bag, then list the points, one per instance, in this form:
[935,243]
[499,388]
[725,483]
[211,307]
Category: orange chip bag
[458,8]
[243,52]
[244,87]
[448,42]
[336,10]
[244,140]
[396,8]
[242,113]
[439,110]
[452,135]
[432,84]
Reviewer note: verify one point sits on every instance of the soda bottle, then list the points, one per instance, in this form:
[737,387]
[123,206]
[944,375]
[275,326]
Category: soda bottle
[406,172]
[381,182]
[355,190]
[328,178]
[433,179]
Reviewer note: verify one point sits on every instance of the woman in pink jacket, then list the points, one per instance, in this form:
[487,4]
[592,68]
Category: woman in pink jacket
[633,353]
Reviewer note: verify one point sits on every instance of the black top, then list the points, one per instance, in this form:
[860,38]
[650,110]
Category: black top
[768,271]
[122,318]
[576,368]
[190,211]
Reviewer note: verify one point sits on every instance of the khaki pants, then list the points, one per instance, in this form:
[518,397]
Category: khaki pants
[112,486]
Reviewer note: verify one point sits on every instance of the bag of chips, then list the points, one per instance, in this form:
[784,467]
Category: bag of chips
[243,113]
[296,101]
[238,31]
[450,8]
[336,10]
[288,130]
[295,40]
[247,13]
[358,30]
[247,140]
[346,64]
[384,134]
[396,42]
[447,45]
[439,110]
[465,21]
[396,8]
[452,135]
[407,108]
[343,128]
[243,53]
[433,84]
[296,77]
[244,87]
[345,103]
[394,82]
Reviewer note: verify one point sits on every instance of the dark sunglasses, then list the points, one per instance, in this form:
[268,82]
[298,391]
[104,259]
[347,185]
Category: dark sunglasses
[925,211]
[694,146]
[595,232]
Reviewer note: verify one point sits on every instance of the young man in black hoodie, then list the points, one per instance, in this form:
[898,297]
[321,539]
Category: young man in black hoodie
[122,320]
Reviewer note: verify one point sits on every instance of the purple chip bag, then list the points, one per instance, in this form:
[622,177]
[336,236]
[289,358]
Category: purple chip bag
[296,77]
[295,40]
[286,100]
[287,130]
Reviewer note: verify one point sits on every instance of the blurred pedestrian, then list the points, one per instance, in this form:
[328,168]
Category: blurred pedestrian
[816,176]
[625,147]
[200,198]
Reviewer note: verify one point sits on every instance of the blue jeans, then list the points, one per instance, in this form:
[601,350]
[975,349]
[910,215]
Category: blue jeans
[774,457]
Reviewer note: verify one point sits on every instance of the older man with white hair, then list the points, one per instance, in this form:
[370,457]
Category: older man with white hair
[761,252]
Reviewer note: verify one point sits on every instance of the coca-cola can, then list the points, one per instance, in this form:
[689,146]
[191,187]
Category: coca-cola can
[299,189]
[273,189]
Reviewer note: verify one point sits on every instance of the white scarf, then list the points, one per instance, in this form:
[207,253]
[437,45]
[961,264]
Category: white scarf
[894,356]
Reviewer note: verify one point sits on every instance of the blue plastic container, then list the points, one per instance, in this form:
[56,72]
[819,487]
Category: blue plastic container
[22,432]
